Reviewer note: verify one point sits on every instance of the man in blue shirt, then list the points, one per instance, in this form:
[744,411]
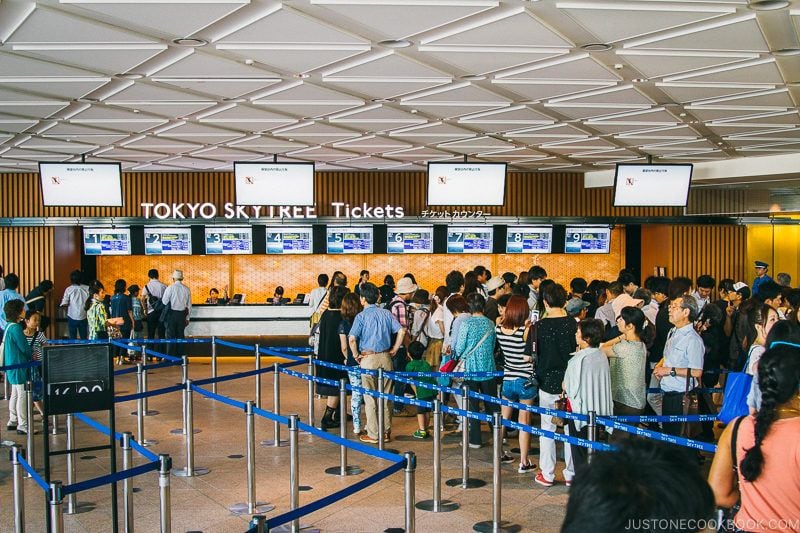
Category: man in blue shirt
[761,276]
[371,343]
[6,295]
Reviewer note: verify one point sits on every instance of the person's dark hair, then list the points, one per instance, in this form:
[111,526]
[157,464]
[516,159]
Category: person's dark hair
[726,284]
[592,331]
[471,282]
[678,287]
[779,379]
[13,310]
[279,290]
[643,295]
[12,281]
[416,349]
[421,296]
[476,302]
[536,272]
[480,269]
[119,286]
[615,288]
[370,293]
[339,280]
[509,277]
[363,273]
[351,306]
[76,277]
[457,304]
[410,276]
[45,285]
[454,281]
[30,312]
[388,279]
[335,298]
[322,280]
[793,298]
[744,292]
[516,312]
[133,290]
[152,273]
[387,293]
[503,300]
[660,284]
[555,295]
[523,278]
[544,285]
[615,492]
[642,328]
[334,276]
[577,285]
[755,313]
[521,289]
[768,291]
[212,291]
[626,278]
[706,282]
[783,330]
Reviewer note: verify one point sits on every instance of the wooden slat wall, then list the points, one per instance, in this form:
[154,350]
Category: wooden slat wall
[720,251]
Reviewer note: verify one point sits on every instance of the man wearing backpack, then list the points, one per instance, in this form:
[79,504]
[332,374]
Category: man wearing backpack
[152,293]
[399,308]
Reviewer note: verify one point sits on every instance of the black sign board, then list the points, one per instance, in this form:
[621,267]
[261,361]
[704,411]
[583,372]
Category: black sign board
[78,379]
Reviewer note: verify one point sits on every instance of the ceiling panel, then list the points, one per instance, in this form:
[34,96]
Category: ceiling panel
[740,33]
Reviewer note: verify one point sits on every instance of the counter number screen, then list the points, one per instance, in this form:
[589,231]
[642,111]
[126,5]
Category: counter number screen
[587,240]
[466,240]
[167,241]
[274,183]
[652,185]
[466,183]
[289,240]
[409,240]
[350,240]
[107,241]
[81,184]
[229,241]
[529,240]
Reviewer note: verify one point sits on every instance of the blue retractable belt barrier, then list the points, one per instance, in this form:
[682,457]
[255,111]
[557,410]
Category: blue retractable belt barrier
[663,437]
[236,345]
[666,418]
[271,416]
[109,478]
[34,475]
[29,364]
[572,441]
[217,397]
[148,394]
[710,391]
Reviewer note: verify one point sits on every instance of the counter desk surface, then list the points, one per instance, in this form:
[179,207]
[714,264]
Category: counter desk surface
[248,320]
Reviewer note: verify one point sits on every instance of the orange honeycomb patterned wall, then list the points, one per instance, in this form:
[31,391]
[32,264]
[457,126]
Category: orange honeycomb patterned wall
[258,275]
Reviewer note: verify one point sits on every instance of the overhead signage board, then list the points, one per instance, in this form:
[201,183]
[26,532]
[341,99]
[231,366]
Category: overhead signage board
[652,185]
[463,184]
[277,184]
[350,240]
[107,241]
[81,184]
[529,240]
[168,241]
[229,240]
[409,239]
[469,240]
[587,240]
[290,240]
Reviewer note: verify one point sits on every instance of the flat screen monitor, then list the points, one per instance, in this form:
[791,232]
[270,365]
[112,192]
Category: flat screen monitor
[282,240]
[350,240]
[229,241]
[107,241]
[409,239]
[587,240]
[466,183]
[652,185]
[529,240]
[274,183]
[469,240]
[168,241]
[81,184]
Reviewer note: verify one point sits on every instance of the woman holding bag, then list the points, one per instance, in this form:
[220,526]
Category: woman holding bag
[96,312]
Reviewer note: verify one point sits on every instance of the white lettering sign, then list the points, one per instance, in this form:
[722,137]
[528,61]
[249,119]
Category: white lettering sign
[231,211]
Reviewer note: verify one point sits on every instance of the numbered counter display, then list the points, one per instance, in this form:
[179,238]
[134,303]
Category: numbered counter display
[248,320]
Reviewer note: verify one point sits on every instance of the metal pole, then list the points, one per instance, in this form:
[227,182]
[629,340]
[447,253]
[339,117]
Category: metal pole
[410,485]
[592,434]
[141,405]
[190,470]
[214,363]
[258,377]
[165,465]
[31,442]
[294,470]
[311,390]
[465,482]
[381,402]
[276,408]
[127,483]
[343,469]
[56,507]
[257,522]
[19,490]
[147,412]
[71,504]
[54,425]
[436,504]
[496,525]
[144,353]
[251,505]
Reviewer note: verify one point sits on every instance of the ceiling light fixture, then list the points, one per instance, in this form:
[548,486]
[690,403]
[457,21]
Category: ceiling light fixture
[382,100]
[768,5]
[190,42]
[473,77]
[682,114]
[301,75]
[131,76]
[784,52]
[596,47]
[395,43]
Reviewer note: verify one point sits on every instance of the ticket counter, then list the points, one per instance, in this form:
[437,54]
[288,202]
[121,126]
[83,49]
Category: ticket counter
[248,320]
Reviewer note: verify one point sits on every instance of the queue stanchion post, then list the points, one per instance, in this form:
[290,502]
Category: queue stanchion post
[436,504]
[19,489]
[190,470]
[164,500]
[343,469]
[465,482]
[184,379]
[591,434]
[410,492]
[251,505]
[55,499]
[311,372]
[276,408]
[30,441]
[496,524]
[71,505]
[257,523]
[257,356]
[294,480]
[381,416]
[127,483]
[147,412]
[214,363]
[141,408]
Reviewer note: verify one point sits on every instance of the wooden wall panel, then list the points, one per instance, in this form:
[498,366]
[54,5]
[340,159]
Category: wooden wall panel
[720,251]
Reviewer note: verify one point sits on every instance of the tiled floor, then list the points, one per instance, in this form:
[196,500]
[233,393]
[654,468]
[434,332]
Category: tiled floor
[201,503]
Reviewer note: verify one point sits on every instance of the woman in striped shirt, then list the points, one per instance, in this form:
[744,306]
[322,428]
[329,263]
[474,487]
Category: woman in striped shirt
[512,335]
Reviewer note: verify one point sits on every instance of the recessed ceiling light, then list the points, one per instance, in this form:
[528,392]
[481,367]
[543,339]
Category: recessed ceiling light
[639,80]
[136,111]
[413,111]
[248,61]
[190,42]
[786,52]
[132,76]
[473,77]
[768,5]
[596,47]
[301,75]
[235,100]
[382,100]
[396,43]
[719,144]
[682,114]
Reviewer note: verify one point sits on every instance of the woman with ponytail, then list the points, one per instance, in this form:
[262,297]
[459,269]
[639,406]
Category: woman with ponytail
[758,457]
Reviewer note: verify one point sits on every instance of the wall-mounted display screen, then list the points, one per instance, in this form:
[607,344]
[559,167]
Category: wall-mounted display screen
[274,183]
[81,184]
[587,240]
[353,240]
[652,185]
[466,183]
[529,240]
[469,240]
[229,241]
[107,241]
[409,240]
[168,241]
[282,240]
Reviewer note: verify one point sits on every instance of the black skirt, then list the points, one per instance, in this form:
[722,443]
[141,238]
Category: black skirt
[330,350]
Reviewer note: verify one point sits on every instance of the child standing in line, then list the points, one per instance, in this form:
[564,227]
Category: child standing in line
[418,364]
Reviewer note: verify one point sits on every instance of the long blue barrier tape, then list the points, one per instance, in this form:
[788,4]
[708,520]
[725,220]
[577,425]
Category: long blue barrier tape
[710,391]
[235,345]
[271,416]
[144,452]
[125,345]
[34,475]
[109,478]
[275,353]
[117,436]
[29,364]
[532,408]
[137,341]
[663,437]
[345,368]
[315,379]
[222,399]
[153,366]
[449,374]
[353,445]
[569,439]
[230,377]
[674,418]
[148,394]
[483,417]
[276,521]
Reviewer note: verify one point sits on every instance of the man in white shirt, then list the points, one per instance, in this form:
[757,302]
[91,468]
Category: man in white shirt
[536,275]
[152,293]
[178,299]
[605,313]
[75,301]
[315,297]
[483,276]
[705,285]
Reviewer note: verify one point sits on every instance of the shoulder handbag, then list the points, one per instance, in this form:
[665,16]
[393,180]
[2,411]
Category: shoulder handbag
[726,516]
[562,404]
[461,364]
[690,407]
[734,400]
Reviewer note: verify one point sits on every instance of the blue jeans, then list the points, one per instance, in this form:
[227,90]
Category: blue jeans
[78,327]
[513,390]
[355,400]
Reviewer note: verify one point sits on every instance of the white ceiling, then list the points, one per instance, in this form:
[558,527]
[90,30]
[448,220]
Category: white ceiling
[495,80]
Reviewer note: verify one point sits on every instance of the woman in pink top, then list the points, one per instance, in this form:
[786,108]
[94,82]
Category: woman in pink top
[767,452]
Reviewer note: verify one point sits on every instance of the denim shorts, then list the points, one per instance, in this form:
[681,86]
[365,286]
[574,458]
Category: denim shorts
[515,392]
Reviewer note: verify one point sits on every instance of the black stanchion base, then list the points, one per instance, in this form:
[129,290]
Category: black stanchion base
[83,507]
[183,472]
[271,443]
[179,431]
[148,442]
[394,530]
[445,506]
[305,488]
[149,412]
[260,507]
[471,483]
[489,527]
[348,471]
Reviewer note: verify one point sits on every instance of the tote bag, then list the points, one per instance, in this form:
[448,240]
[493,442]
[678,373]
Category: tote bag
[734,401]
